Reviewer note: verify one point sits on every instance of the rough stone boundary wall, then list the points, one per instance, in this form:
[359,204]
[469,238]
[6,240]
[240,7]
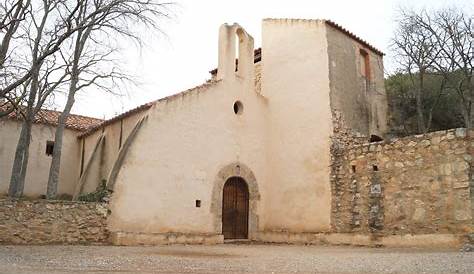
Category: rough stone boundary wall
[49,222]
[414,185]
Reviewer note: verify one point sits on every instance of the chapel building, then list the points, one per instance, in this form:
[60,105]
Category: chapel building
[246,155]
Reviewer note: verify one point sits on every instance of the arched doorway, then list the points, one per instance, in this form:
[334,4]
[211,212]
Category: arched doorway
[235,209]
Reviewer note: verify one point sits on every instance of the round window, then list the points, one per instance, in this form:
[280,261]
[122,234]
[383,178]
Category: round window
[238,107]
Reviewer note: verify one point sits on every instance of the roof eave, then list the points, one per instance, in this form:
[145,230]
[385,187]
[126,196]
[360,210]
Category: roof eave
[355,37]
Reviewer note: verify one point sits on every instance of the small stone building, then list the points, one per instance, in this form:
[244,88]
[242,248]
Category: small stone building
[272,148]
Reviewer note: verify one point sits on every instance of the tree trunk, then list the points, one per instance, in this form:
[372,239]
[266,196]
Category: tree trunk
[470,114]
[24,165]
[20,163]
[55,167]
[467,114]
[419,105]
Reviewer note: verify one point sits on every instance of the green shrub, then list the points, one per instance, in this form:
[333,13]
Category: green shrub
[99,195]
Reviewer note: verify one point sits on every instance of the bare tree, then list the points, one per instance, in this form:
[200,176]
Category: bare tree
[416,51]
[51,25]
[38,41]
[458,56]
[92,53]
[12,13]
[44,29]
[61,18]
[48,79]
[21,154]
[437,44]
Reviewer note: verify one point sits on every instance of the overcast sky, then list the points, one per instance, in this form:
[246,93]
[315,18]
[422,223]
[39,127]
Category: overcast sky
[182,59]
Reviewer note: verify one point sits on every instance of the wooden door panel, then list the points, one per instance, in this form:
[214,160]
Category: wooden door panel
[235,209]
[228,212]
[242,213]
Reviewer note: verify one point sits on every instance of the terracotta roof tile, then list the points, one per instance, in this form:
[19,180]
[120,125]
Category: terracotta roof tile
[144,107]
[50,117]
[353,36]
[334,25]
[116,118]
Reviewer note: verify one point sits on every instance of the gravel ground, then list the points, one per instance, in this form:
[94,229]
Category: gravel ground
[230,258]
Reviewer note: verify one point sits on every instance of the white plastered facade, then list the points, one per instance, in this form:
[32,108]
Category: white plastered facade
[282,137]
[189,144]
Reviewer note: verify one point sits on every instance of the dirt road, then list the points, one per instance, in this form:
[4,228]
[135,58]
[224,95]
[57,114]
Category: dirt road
[230,258]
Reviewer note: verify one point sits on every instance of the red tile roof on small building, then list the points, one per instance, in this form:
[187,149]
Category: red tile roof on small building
[50,117]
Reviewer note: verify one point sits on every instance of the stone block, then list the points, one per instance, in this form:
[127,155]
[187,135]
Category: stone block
[462,214]
[425,143]
[426,186]
[460,166]
[419,215]
[446,169]
[467,157]
[460,132]
[45,222]
[436,140]
[375,189]
[450,136]
[411,144]
[399,164]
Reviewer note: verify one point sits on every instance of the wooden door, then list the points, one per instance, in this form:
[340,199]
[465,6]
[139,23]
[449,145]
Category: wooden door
[235,209]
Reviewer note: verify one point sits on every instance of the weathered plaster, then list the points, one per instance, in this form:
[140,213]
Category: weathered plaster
[108,151]
[94,156]
[306,109]
[363,108]
[128,238]
[38,163]
[295,82]
[181,148]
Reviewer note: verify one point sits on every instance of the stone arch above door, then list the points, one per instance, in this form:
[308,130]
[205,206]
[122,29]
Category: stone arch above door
[235,169]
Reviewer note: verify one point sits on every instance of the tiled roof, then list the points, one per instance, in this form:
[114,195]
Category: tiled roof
[144,107]
[353,36]
[50,117]
[116,118]
[334,25]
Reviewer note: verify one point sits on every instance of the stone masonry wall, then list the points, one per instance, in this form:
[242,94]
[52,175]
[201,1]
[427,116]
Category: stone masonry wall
[342,139]
[414,185]
[48,222]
